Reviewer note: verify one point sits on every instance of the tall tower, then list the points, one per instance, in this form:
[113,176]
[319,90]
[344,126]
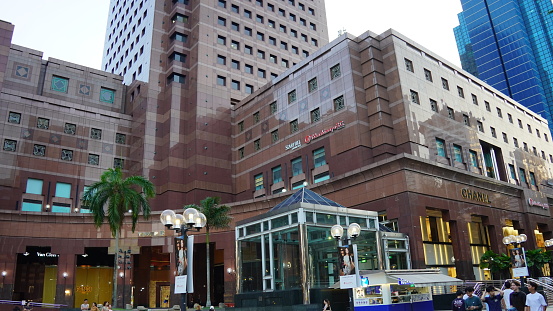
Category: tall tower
[199,58]
[508,44]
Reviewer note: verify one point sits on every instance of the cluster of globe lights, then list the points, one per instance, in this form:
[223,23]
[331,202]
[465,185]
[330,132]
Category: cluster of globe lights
[353,231]
[548,242]
[515,239]
[190,217]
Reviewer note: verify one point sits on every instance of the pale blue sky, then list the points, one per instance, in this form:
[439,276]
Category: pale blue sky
[73,30]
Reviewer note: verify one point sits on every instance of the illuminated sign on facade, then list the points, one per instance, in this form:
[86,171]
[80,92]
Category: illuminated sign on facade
[293,145]
[323,132]
[475,195]
[536,203]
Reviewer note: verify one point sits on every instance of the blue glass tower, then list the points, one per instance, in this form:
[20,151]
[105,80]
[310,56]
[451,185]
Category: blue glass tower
[508,44]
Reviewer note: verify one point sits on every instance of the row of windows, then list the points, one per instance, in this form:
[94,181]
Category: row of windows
[62,190]
[461,93]
[66,154]
[261,36]
[122,44]
[61,84]
[68,128]
[480,126]
[236,9]
[528,180]
[296,165]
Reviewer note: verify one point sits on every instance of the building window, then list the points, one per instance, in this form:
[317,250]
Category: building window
[284,45]
[67,155]
[34,186]
[259,19]
[282,28]
[235,26]
[312,85]
[545,137]
[222,3]
[292,97]
[248,50]
[515,142]
[179,18]
[460,92]
[235,45]
[118,163]
[221,60]
[284,63]
[248,69]
[258,180]
[450,113]
[261,73]
[43,123]
[319,157]
[177,36]
[59,84]
[249,89]
[512,172]
[538,133]
[428,75]
[487,105]
[532,179]
[492,130]
[261,54]
[529,128]
[221,21]
[409,65]
[256,117]
[273,107]
[335,72]
[458,153]
[520,123]
[277,174]
[499,113]
[522,175]
[260,36]
[445,84]
[248,31]
[321,177]
[440,147]
[39,150]
[339,103]
[14,117]
[505,139]
[297,167]
[95,133]
[433,105]
[93,159]
[241,153]
[221,81]
[315,115]
[274,135]
[480,126]
[234,64]
[272,41]
[525,146]
[221,40]
[70,128]
[241,126]
[176,56]
[473,158]
[257,145]
[175,77]
[294,127]
[107,95]
[247,14]
[235,85]
[474,99]
[235,9]
[314,42]
[510,117]
[415,97]
[271,23]
[10,145]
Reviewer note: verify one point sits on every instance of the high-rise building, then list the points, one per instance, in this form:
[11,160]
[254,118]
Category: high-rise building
[508,44]
[201,58]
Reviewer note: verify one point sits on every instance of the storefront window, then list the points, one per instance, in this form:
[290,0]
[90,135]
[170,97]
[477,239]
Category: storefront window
[286,256]
[250,249]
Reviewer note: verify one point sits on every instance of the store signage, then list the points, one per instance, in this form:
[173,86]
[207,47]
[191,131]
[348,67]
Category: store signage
[401,281]
[39,254]
[151,234]
[180,284]
[348,281]
[475,195]
[536,203]
[293,145]
[84,289]
[323,132]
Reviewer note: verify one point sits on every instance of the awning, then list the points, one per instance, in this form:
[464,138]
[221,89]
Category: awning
[426,279]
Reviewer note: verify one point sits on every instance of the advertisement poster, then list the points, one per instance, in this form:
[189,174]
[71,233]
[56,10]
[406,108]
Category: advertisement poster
[518,262]
[180,256]
[346,260]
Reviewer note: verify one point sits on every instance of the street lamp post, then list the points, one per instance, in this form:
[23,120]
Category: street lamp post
[516,241]
[4,273]
[353,232]
[124,261]
[190,218]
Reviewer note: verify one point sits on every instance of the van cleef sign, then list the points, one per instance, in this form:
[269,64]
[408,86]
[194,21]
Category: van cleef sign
[536,203]
[475,195]
[323,132]
[39,254]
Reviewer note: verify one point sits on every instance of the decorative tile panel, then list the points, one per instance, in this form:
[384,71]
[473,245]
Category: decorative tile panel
[107,95]
[84,89]
[60,84]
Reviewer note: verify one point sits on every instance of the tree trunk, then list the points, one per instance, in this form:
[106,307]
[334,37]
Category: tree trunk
[114,293]
[208,300]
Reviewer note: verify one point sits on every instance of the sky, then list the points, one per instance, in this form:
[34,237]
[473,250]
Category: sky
[74,30]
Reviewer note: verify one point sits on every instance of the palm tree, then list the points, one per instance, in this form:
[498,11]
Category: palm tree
[216,218]
[536,259]
[116,196]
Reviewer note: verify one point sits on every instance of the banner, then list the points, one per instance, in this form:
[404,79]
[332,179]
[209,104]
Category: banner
[180,256]
[346,260]
[190,256]
[518,262]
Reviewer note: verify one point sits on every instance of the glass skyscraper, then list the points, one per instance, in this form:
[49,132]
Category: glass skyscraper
[508,44]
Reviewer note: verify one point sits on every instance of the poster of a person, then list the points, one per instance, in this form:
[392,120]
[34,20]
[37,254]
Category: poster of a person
[346,263]
[517,258]
[180,254]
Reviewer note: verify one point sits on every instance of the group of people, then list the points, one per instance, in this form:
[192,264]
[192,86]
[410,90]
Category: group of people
[95,307]
[510,299]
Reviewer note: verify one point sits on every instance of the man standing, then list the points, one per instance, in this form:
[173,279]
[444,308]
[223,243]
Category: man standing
[493,299]
[507,294]
[472,302]
[85,306]
[517,298]
[534,301]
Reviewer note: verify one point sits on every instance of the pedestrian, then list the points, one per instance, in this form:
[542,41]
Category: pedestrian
[326,305]
[472,302]
[517,299]
[85,306]
[507,294]
[534,301]
[493,299]
[458,304]
[105,306]
[94,307]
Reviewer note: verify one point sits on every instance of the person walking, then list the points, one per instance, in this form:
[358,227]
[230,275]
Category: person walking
[326,305]
[534,301]
[517,298]
[458,304]
[94,307]
[507,294]
[493,299]
[472,302]
[85,306]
